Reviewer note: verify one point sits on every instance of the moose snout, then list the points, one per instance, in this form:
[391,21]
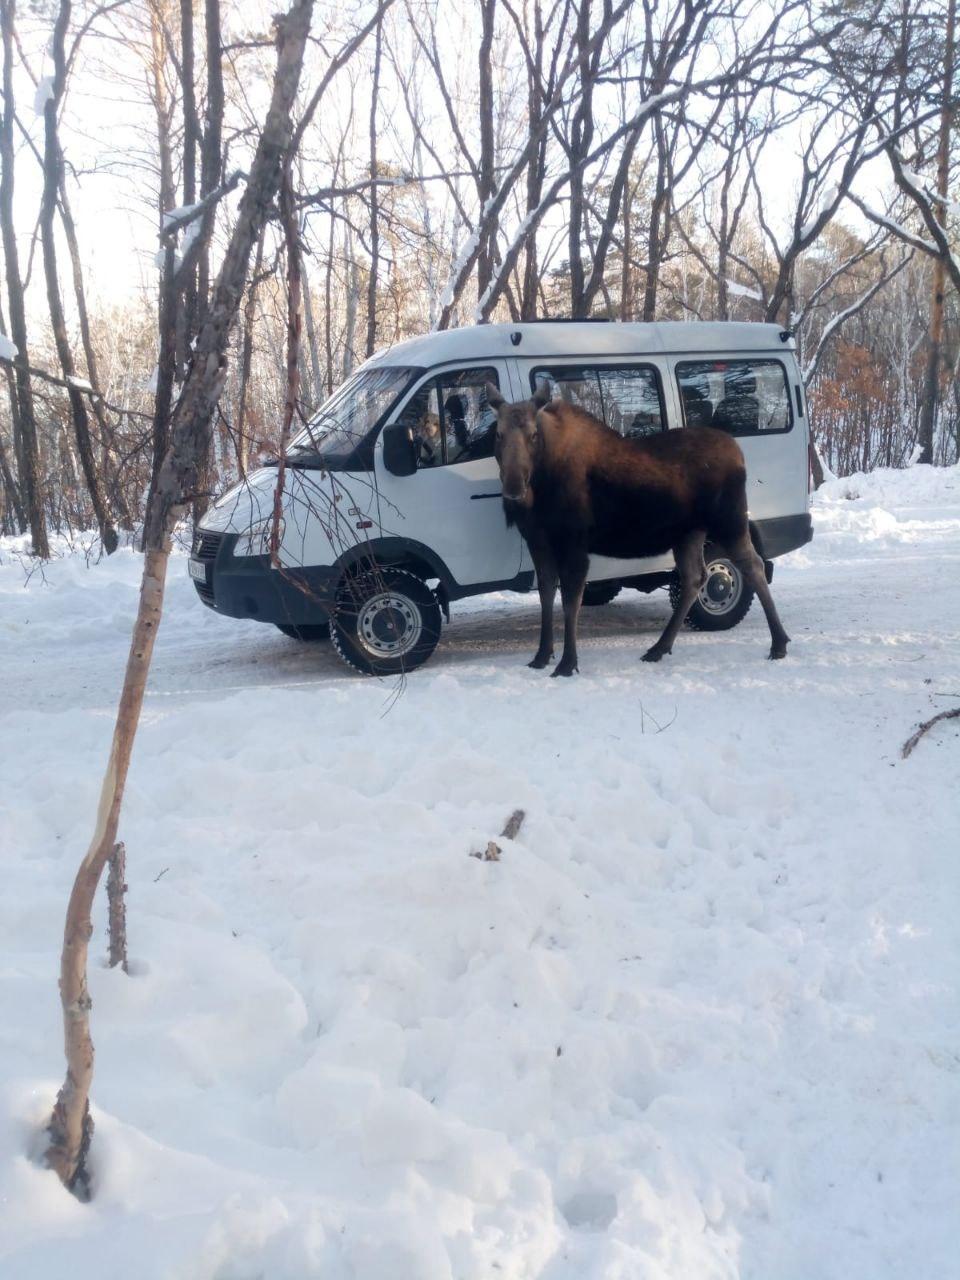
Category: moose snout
[515,481]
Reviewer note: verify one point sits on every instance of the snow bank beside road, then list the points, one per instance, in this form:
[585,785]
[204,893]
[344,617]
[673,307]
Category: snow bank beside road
[699,1021]
[918,485]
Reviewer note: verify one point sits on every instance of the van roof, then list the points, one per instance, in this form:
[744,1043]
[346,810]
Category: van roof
[546,338]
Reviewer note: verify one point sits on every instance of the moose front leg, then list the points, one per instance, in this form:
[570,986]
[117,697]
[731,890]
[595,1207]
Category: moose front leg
[546,568]
[573,578]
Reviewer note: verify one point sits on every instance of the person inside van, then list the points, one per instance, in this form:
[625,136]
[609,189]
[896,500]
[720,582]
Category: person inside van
[697,405]
[427,439]
[458,434]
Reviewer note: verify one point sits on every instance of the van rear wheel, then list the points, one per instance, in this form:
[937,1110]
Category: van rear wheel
[387,622]
[723,600]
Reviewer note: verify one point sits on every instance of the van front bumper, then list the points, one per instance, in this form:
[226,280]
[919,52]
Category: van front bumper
[248,587]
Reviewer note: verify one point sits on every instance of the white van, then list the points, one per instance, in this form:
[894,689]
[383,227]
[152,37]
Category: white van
[391,495]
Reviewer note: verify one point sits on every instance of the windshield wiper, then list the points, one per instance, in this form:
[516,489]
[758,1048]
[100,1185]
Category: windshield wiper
[310,459]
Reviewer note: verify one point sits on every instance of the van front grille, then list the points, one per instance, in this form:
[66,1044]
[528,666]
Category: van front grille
[206,544]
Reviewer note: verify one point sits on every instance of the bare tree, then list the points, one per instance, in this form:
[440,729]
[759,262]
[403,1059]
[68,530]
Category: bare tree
[374,200]
[71,1126]
[52,182]
[900,70]
[22,406]
[937,217]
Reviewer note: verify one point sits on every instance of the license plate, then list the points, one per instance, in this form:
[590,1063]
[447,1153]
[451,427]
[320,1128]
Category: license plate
[197,570]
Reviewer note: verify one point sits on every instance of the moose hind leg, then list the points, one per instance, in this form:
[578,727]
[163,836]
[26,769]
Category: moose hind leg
[573,578]
[689,557]
[745,557]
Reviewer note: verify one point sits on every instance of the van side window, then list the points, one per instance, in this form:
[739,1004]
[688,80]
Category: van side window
[625,397]
[450,418]
[742,397]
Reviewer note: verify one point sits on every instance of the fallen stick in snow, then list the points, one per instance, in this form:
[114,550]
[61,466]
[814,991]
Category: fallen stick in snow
[493,851]
[914,738]
[117,913]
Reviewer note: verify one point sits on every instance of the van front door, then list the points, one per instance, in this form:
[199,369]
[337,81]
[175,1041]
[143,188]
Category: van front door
[451,504]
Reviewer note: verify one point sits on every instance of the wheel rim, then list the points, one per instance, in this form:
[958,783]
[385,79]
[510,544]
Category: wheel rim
[389,625]
[723,588]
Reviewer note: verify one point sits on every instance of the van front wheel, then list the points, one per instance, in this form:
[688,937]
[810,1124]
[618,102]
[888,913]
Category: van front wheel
[724,599]
[387,622]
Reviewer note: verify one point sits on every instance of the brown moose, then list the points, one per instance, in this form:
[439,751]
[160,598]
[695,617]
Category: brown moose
[574,487]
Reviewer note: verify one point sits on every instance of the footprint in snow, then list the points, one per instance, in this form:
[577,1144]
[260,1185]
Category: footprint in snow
[590,1210]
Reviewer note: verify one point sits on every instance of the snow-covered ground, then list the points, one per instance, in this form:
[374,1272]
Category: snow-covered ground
[699,1022]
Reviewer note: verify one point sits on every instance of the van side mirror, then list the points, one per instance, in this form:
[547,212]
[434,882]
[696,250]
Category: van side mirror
[399,451]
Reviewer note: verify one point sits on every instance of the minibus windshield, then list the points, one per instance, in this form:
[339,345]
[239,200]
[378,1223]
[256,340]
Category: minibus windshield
[334,436]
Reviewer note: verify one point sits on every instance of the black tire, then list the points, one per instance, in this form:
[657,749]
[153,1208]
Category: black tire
[724,599]
[387,622]
[601,592]
[309,632]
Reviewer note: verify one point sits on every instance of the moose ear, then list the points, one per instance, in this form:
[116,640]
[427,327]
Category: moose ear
[542,394]
[494,398]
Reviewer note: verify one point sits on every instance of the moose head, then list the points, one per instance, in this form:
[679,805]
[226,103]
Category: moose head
[519,441]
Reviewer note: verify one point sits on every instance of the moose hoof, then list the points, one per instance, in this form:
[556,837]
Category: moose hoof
[652,655]
[539,663]
[778,651]
[564,669]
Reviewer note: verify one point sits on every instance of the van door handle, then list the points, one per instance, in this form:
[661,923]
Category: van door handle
[476,497]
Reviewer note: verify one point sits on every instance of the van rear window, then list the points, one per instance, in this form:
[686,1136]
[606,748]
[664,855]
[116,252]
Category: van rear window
[625,397]
[742,397]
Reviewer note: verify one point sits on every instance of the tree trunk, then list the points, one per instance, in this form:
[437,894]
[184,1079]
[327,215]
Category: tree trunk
[581,137]
[353,291]
[14,496]
[211,159]
[316,396]
[328,307]
[28,460]
[109,461]
[241,443]
[486,178]
[816,466]
[211,163]
[931,385]
[291,234]
[167,303]
[71,1126]
[187,312]
[656,240]
[374,204]
[10,489]
[52,165]
[626,266]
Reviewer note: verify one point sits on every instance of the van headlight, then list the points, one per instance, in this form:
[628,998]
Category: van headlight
[255,541]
